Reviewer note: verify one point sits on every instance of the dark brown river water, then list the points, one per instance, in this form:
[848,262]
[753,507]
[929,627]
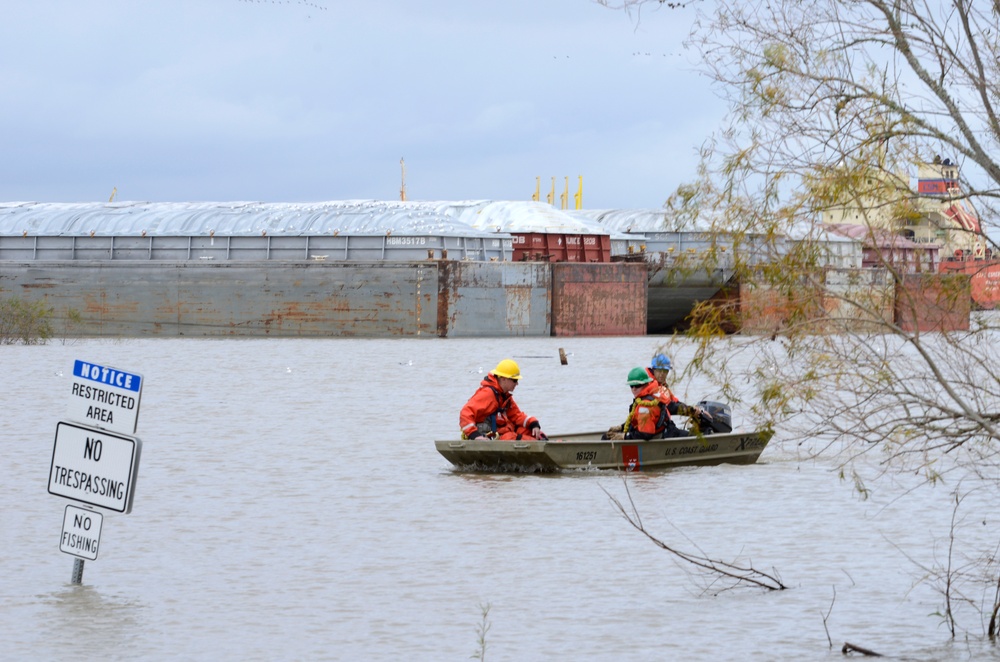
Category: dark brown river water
[290,505]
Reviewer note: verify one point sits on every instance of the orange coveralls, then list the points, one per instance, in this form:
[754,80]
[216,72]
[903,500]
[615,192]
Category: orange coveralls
[491,404]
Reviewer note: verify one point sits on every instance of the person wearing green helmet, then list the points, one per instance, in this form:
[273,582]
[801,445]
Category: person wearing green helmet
[491,411]
[648,415]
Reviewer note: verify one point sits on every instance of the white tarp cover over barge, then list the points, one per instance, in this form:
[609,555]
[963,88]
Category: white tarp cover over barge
[339,230]
[343,268]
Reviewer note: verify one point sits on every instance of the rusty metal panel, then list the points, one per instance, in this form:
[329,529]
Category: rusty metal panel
[858,296]
[598,299]
[305,298]
[490,299]
[925,302]
[231,299]
[933,302]
[763,309]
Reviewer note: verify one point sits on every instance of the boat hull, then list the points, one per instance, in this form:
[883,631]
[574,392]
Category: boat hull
[589,451]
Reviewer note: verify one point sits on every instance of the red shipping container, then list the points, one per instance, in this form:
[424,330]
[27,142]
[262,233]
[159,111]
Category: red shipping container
[559,247]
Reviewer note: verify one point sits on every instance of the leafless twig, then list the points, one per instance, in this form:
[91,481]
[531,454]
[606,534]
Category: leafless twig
[992,630]
[827,616]
[735,573]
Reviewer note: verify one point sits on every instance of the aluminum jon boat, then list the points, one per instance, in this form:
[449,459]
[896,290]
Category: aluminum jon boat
[588,451]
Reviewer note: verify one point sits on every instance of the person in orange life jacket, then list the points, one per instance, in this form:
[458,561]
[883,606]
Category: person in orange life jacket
[659,369]
[491,411]
[648,417]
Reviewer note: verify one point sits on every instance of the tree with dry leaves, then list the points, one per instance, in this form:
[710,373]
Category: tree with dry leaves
[835,107]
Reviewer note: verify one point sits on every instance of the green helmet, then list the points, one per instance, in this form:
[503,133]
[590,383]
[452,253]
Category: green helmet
[638,377]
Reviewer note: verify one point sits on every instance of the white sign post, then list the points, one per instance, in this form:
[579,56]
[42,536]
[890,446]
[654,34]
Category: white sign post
[81,532]
[95,460]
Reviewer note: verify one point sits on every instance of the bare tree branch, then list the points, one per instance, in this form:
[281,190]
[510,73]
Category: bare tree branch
[715,570]
[826,616]
[837,106]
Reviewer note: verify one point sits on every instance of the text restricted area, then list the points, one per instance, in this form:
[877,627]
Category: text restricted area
[105,397]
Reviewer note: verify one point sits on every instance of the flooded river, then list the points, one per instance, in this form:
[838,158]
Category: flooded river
[290,505]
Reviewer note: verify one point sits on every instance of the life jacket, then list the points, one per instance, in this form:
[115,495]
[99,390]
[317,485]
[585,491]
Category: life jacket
[498,419]
[648,416]
[666,395]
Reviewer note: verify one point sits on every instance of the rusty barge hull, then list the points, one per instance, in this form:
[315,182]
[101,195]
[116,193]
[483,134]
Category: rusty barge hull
[377,299]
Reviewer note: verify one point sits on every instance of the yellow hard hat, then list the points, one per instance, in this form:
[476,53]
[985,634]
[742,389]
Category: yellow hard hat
[507,368]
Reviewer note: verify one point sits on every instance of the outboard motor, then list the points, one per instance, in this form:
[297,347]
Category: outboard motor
[722,417]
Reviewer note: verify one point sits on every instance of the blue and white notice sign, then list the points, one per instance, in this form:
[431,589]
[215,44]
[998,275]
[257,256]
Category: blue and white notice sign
[105,397]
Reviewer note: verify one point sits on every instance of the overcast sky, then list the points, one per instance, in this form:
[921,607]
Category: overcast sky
[236,100]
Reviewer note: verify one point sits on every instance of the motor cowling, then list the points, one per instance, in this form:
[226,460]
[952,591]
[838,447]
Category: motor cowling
[722,417]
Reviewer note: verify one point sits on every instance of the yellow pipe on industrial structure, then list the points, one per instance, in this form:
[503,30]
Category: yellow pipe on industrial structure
[563,197]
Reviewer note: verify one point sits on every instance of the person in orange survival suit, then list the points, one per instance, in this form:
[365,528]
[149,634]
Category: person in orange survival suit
[491,411]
